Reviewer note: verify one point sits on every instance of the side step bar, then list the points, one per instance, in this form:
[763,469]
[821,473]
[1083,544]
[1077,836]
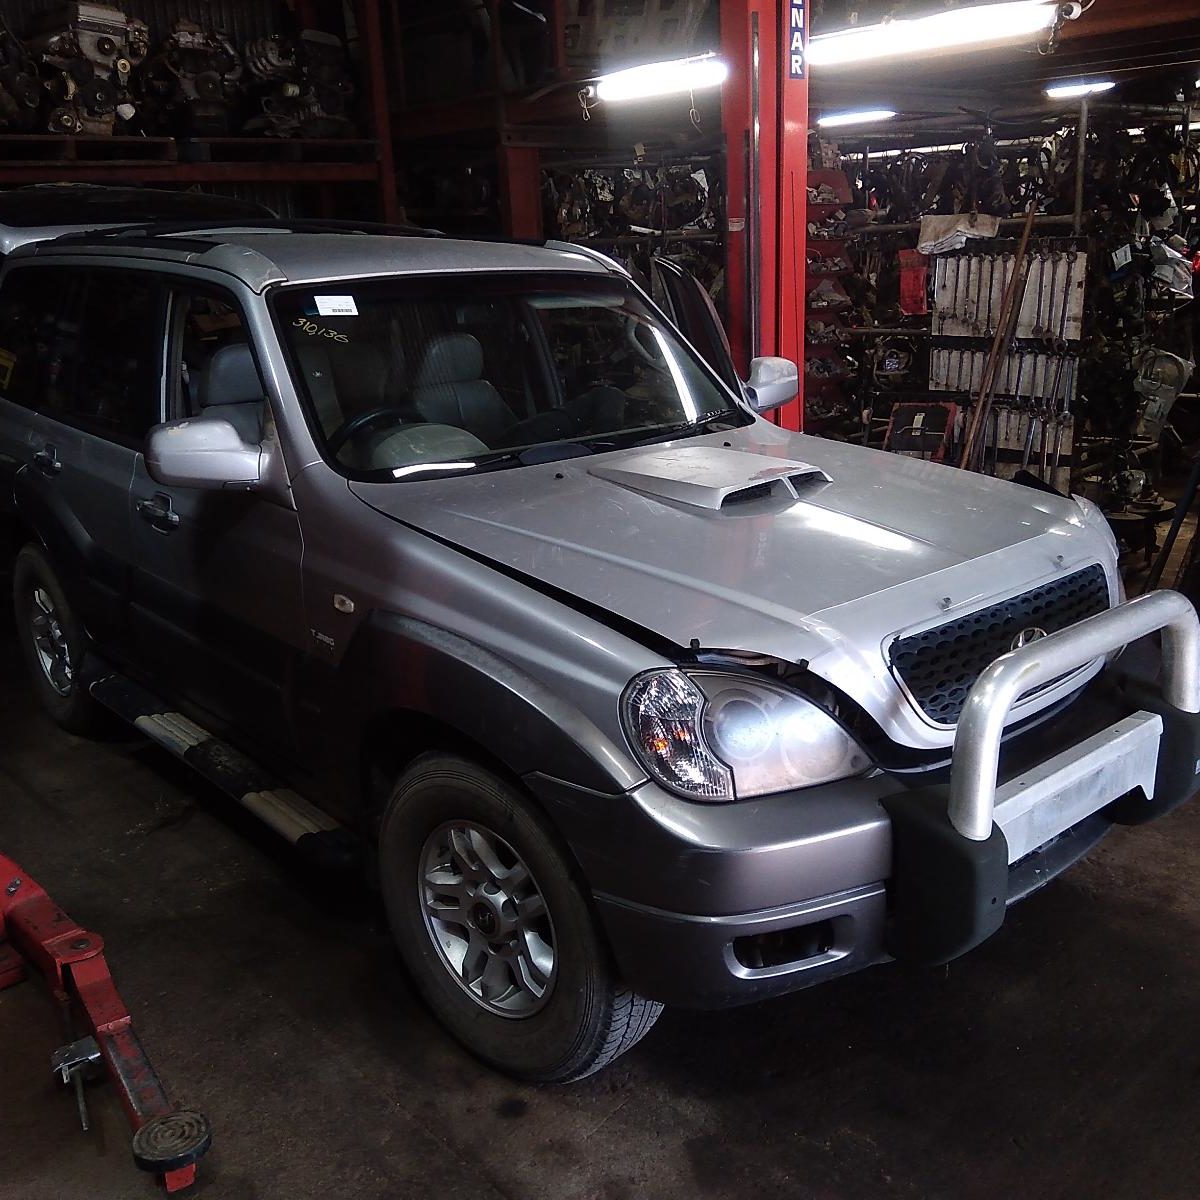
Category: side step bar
[315,834]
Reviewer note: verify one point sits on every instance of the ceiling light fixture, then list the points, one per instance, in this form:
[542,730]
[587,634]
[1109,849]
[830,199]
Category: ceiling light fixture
[663,78]
[1072,91]
[868,116]
[961,28]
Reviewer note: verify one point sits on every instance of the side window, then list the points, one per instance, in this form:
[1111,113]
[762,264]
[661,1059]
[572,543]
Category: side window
[116,391]
[211,371]
[204,323]
[39,335]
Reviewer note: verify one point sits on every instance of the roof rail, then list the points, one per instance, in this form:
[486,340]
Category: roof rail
[282,224]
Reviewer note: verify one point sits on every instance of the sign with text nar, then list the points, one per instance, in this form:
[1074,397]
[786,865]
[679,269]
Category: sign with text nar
[795,49]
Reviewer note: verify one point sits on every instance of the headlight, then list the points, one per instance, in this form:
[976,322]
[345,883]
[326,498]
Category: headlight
[1095,520]
[714,736]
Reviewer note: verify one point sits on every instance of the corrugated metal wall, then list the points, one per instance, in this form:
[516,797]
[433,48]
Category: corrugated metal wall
[241,19]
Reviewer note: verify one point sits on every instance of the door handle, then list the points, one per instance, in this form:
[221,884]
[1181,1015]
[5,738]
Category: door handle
[157,512]
[46,461]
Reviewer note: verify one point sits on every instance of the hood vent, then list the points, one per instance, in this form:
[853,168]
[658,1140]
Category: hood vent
[709,477]
[756,491]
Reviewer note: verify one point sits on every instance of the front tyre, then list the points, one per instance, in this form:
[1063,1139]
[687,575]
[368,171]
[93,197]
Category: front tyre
[53,642]
[494,929]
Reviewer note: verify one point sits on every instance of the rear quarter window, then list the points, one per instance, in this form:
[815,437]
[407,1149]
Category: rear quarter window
[38,344]
[83,346]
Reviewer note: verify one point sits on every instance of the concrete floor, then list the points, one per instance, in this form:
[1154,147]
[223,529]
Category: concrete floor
[1062,1059]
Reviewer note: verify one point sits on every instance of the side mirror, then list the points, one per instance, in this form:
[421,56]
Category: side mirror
[772,383]
[202,454]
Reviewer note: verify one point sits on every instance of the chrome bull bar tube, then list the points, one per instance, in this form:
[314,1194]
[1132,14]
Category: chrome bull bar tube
[981,724]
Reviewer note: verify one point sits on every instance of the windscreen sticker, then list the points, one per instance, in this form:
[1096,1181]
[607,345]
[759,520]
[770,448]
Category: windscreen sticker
[336,306]
[8,360]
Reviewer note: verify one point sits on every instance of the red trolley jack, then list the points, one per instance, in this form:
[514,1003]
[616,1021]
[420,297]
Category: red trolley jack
[35,932]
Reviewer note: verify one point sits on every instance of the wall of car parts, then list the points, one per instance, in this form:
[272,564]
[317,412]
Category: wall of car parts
[1024,304]
[198,93]
[637,209]
[240,19]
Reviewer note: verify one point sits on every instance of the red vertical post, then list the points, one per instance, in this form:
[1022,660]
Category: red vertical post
[556,13]
[370,39]
[735,121]
[765,119]
[792,168]
[520,191]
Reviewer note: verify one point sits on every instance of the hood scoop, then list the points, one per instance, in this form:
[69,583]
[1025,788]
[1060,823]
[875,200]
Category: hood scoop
[710,477]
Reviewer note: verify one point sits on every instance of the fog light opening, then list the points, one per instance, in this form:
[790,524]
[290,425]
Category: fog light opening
[784,947]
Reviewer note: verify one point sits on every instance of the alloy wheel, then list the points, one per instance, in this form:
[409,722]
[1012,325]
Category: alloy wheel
[487,919]
[50,642]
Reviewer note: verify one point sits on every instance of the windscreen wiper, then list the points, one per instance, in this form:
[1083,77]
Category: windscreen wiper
[531,456]
[702,422]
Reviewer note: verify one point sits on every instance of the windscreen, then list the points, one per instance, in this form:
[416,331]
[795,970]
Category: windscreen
[415,377]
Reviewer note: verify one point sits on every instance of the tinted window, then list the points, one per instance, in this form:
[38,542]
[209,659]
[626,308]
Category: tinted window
[116,390]
[39,335]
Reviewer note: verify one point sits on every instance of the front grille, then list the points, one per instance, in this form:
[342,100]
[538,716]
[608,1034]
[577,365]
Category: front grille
[939,666]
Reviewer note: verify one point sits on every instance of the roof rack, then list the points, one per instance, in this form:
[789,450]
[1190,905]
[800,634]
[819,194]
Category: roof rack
[146,229]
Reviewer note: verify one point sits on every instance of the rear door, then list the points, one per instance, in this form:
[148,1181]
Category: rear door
[80,362]
[216,600]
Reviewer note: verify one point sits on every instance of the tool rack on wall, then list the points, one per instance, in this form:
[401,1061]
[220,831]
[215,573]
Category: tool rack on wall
[1030,423]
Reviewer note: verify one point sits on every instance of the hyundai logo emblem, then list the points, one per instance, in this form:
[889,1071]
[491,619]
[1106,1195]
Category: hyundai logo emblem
[1027,636]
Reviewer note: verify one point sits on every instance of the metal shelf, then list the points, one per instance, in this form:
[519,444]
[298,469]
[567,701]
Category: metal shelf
[61,158]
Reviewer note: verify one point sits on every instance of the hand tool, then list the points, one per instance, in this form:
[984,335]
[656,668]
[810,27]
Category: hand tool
[954,295]
[1055,260]
[1037,329]
[988,331]
[1014,294]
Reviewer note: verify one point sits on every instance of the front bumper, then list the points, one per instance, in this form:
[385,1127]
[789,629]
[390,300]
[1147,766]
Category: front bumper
[710,905]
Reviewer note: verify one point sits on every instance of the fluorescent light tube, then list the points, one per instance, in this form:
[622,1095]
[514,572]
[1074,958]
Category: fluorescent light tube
[868,116]
[981,26]
[663,78]
[1068,91]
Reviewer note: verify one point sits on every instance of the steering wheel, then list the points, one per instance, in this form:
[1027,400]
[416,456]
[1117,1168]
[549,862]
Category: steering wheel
[365,420]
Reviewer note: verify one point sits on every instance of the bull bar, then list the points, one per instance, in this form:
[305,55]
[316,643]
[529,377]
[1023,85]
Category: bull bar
[980,728]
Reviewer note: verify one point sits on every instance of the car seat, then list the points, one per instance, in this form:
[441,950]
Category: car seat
[449,389]
[230,390]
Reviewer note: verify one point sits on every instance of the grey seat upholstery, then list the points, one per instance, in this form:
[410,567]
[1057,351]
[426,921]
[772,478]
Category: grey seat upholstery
[322,388]
[449,389]
[344,382]
[230,390]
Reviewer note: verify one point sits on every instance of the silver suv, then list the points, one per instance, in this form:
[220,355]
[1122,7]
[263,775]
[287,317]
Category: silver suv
[471,554]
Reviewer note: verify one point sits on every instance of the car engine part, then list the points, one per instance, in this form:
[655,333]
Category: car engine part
[88,53]
[20,88]
[303,86]
[190,86]
[1161,376]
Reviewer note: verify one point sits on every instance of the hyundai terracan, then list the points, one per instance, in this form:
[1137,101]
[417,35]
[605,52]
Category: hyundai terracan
[471,554]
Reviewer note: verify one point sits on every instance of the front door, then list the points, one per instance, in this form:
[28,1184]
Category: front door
[216,588]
